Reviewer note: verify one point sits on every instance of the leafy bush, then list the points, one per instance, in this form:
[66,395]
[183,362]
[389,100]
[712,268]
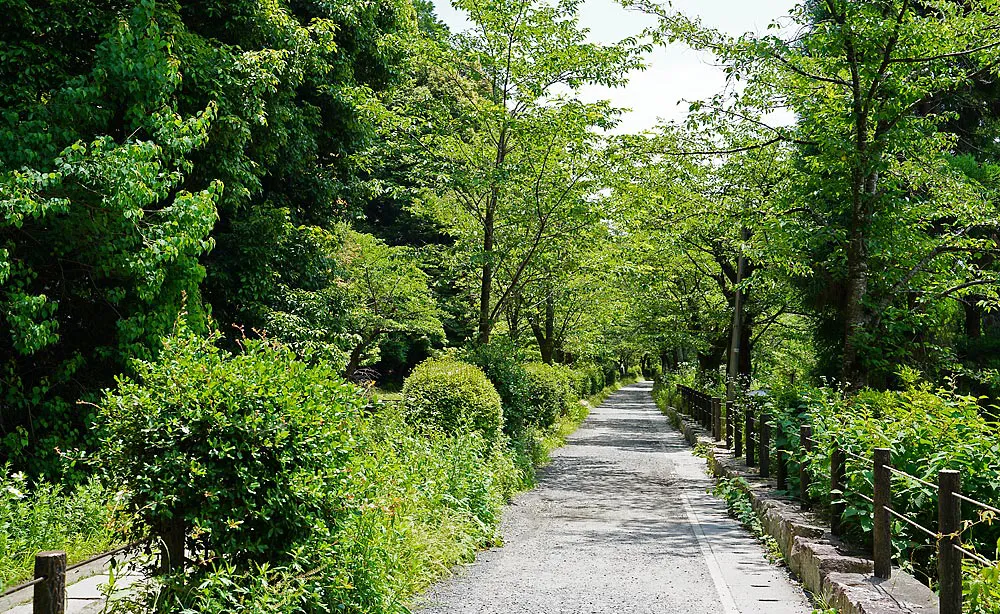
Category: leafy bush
[665,386]
[453,396]
[295,499]
[422,500]
[45,516]
[580,381]
[502,363]
[590,378]
[243,450]
[550,392]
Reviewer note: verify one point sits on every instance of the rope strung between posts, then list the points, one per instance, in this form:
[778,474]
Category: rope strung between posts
[21,587]
[974,502]
[96,557]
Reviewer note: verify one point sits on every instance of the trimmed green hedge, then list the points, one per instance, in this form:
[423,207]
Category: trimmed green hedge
[589,380]
[502,362]
[453,396]
[550,391]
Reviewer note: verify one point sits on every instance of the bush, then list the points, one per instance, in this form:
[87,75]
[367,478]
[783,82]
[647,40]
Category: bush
[296,499]
[580,382]
[453,396]
[44,516]
[591,379]
[550,392]
[424,502]
[244,451]
[502,363]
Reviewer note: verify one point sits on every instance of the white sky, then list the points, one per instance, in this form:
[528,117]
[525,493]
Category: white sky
[675,73]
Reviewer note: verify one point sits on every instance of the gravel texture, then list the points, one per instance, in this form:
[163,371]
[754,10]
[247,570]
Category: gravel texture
[620,523]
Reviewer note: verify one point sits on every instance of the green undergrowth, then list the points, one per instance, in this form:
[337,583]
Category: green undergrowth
[736,493]
[338,502]
[45,516]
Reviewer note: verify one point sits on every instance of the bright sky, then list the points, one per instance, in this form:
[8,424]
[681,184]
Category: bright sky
[675,73]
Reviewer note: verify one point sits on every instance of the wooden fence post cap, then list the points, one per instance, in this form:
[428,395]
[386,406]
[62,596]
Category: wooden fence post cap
[50,554]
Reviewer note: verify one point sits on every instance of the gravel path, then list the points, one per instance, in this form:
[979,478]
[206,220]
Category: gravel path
[620,523]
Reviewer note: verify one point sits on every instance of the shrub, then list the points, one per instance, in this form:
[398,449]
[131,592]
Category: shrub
[297,500]
[424,502]
[550,392]
[453,396]
[243,450]
[502,363]
[591,379]
[580,381]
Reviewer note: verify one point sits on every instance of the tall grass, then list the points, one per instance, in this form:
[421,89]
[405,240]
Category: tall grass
[45,516]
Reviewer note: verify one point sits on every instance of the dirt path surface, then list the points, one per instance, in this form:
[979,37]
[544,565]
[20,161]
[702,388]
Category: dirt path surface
[621,523]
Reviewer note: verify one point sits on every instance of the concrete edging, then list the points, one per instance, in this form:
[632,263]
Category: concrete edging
[826,566]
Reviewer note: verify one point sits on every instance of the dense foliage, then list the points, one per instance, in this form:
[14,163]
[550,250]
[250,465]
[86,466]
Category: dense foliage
[226,226]
[551,392]
[244,451]
[454,397]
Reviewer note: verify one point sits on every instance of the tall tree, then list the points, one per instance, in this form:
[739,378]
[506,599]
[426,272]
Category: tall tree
[516,160]
[877,192]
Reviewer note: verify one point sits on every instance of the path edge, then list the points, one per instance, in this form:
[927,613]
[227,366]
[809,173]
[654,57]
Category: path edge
[826,566]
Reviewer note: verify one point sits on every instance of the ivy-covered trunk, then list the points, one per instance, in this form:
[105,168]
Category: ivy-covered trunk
[856,317]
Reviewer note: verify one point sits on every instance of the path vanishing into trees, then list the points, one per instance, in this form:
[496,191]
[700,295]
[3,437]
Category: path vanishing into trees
[621,522]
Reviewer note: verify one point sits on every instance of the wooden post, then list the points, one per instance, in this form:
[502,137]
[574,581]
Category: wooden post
[750,437]
[882,538]
[737,429]
[838,467]
[172,548]
[717,418]
[949,557]
[50,595]
[729,426]
[806,443]
[781,468]
[764,443]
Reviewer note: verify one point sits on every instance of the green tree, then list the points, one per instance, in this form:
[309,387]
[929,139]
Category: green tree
[387,293]
[102,224]
[882,214]
[516,160]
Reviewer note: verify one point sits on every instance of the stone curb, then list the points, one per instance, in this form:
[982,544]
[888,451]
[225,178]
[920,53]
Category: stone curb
[826,566]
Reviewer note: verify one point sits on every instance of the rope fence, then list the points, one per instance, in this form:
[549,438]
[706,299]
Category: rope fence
[50,578]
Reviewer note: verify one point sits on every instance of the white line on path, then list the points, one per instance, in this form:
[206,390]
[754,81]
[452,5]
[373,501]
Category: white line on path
[725,595]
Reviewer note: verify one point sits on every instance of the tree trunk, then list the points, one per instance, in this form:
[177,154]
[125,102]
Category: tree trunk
[738,347]
[485,292]
[855,317]
[973,317]
[548,348]
[745,366]
[356,355]
[489,230]
[545,332]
